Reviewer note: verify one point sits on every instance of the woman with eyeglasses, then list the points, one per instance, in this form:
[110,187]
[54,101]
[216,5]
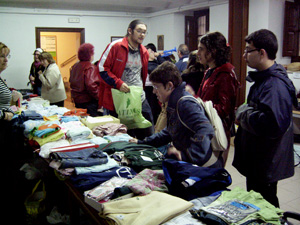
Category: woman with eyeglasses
[188,133]
[219,83]
[6,113]
[10,150]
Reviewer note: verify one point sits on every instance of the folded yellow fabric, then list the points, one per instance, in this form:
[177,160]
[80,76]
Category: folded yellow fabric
[154,208]
[54,137]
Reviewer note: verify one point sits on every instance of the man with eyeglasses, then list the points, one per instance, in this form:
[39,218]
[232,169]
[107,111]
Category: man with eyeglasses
[264,140]
[124,63]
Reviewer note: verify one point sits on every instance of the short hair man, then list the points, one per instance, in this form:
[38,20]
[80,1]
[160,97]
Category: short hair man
[183,54]
[264,140]
[124,63]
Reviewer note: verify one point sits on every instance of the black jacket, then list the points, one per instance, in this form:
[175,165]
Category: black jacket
[264,140]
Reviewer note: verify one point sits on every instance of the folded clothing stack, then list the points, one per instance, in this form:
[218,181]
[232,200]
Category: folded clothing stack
[30,115]
[45,130]
[83,158]
[79,133]
[110,129]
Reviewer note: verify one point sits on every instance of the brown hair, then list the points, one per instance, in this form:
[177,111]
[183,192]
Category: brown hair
[166,72]
[3,46]
[47,56]
[216,44]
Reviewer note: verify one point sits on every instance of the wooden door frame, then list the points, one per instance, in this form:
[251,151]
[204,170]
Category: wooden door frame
[238,30]
[38,31]
[188,36]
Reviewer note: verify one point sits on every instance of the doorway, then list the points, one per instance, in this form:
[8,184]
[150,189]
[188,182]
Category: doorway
[62,44]
[195,27]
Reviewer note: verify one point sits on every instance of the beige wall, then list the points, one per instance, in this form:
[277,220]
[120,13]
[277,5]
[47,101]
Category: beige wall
[67,46]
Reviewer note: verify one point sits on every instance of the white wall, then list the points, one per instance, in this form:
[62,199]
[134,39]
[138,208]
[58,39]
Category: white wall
[158,25]
[18,29]
[218,19]
[18,33]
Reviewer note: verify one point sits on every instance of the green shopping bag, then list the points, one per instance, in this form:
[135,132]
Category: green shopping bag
[129,107]
[35,202]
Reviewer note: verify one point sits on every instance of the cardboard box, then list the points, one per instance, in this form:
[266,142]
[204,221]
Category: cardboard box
[92,122]
[98,206]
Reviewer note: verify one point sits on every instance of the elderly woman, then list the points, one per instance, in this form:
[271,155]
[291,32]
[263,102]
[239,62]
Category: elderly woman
[53,88]
[184,115]
[6,113]
[8,144]
[85,80]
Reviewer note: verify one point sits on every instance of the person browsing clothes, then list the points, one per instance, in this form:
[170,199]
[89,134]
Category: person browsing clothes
[193,147]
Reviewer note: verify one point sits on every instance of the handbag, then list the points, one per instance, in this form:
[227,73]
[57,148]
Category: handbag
[219,141]
[35,202]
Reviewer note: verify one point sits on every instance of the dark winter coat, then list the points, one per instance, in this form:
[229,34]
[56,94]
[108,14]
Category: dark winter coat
[264,140]
[193,146]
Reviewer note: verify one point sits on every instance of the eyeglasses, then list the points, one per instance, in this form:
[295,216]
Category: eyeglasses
[246,51]
[142,32]
[5,56]
[155,87]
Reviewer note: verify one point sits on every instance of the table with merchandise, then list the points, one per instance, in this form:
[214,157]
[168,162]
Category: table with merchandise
[114,181]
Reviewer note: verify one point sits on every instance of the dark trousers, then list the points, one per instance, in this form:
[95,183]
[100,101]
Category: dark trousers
[153,102]
[59,104]
[267,190]
[92,107]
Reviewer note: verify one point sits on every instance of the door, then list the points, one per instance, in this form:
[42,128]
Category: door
[195,27]
[291,29]
[62,44]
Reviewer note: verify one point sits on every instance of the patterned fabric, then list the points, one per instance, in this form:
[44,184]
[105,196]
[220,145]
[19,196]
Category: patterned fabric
[147,181]
[5,97]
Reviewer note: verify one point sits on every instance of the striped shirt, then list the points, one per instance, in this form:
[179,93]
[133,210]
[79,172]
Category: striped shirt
[5,98]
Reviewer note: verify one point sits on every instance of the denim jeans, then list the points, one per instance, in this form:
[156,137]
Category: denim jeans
[81,158]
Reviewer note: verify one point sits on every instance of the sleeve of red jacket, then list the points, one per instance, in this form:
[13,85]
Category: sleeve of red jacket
[106,64]
[92,81]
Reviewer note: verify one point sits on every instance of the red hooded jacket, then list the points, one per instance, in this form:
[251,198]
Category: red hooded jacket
[111,66]
[221,88]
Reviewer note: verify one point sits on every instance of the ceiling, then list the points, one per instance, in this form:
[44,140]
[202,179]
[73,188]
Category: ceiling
[132,6]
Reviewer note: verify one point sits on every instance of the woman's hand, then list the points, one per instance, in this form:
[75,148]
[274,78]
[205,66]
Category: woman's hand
[8,116]
[31,78]
[190,90]
[173,151]
[133,140]
[16,95]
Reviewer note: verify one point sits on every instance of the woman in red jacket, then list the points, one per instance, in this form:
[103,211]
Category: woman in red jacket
[85,80]
[219,83]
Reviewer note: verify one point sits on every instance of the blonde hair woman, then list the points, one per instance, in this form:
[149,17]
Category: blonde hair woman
[6,113]
[53,88]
